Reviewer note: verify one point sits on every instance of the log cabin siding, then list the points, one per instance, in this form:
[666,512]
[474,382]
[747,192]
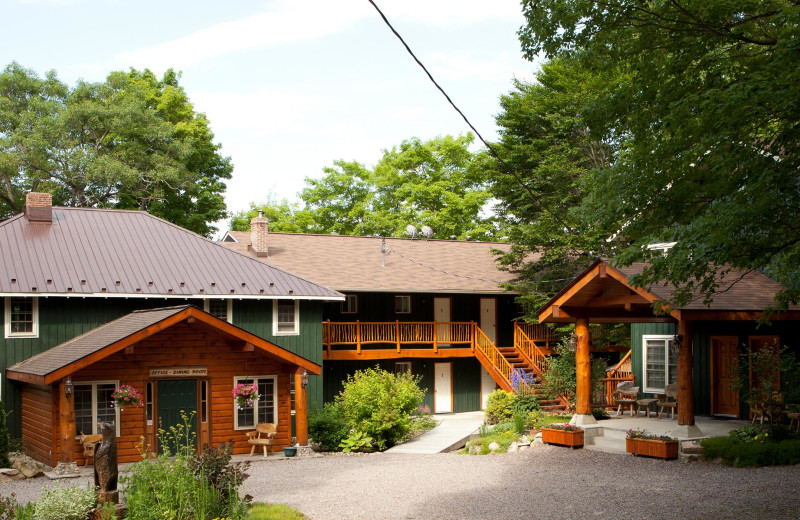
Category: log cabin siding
[38,420]
[182,345]
[61,319]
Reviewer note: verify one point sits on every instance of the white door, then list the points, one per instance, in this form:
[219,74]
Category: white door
[441,313]
[442,388]
[488,385]
[489,318]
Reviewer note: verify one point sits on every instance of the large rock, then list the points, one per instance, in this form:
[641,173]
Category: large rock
[512,448]
[494,446]
[27,470]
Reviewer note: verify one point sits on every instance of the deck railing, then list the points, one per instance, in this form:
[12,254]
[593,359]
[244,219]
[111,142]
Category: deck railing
[542,336]
[397,334]
[604,392]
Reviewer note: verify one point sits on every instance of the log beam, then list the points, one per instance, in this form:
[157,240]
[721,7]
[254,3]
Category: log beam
[685,376]
[66,425]
[583,369]
[300,408]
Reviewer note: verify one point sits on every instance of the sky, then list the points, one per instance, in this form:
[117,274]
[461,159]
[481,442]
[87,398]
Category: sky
[290,86]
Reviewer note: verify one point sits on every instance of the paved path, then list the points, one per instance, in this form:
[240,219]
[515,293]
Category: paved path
[453,428]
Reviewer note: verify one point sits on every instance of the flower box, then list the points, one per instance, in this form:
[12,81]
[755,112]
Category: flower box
[652,448]
[573,439]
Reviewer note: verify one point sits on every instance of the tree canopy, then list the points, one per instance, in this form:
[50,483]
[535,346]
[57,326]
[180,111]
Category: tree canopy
[437,183]
[704,118]
[132,141]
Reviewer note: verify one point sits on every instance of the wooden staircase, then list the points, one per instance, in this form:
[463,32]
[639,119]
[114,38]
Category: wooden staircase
[502,362]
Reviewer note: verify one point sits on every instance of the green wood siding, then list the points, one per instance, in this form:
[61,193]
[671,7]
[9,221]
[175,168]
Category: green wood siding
[702,332]
[466,378]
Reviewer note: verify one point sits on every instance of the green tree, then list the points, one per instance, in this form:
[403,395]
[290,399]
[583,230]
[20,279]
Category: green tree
[131,142]
[437,183]
[284,216]
[546,142]
[705,126]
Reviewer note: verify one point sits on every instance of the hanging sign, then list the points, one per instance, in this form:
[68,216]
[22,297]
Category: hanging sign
[179,372]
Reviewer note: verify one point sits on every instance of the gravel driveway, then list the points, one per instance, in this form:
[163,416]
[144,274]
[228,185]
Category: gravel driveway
[546,481]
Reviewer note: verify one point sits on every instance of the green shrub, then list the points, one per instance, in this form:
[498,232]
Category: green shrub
[760,451]
[65,503]
[8,506]
[600,413]
[214,465]
[328,426]
[498,407]
[274,512]
[356,441]
[503,439]
[520,421]
[379,404]
[4,444]
[524,403]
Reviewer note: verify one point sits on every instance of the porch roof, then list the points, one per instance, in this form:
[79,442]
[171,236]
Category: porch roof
[81,351]
[603,294]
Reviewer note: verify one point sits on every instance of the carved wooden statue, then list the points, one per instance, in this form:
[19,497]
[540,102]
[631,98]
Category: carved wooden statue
[105,465]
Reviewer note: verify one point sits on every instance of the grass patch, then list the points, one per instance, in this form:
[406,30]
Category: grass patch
[261,511]
[734,451]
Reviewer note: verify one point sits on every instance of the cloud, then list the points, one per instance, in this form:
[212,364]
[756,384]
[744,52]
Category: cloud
[290,21]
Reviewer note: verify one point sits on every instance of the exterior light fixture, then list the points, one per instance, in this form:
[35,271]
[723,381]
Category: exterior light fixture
[68,387]
[675,343]
[304,379]
[572,343]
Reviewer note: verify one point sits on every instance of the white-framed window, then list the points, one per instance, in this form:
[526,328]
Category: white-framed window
[94,405]
[350,304]
[402,304]
[222,309]
[660,363]
[21,317]
[402,367]
[265,409]
[285,317]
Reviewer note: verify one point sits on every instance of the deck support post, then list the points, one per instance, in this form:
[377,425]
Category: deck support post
[66,426]
[583,375]
[686,426]
[300,409]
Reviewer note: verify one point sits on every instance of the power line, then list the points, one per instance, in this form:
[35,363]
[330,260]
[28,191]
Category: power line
[508,169]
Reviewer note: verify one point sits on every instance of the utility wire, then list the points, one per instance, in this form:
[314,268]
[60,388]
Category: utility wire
[508,169]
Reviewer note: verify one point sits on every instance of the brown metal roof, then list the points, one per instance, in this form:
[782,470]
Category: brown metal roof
[47,365]
[102,252]
[355,263]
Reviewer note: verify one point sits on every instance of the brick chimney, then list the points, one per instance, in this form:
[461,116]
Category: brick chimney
[259,232]
[39,207]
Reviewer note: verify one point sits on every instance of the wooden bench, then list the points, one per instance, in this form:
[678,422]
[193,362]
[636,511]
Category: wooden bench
[263,436]
[88,442]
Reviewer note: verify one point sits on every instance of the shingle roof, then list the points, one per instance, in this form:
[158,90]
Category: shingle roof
[37,368]
[102,252]
[355,263]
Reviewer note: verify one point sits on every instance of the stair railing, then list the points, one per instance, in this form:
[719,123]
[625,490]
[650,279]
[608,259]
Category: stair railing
[492,359]
[533,355]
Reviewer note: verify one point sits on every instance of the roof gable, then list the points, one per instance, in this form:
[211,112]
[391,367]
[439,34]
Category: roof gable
[101,252]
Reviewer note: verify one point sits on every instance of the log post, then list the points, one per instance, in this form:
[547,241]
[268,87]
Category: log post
[583,369]
[300,408]
[685,376]
[66,425]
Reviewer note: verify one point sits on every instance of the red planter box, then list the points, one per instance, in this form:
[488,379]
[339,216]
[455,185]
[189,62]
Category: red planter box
[652,448]
[563,438]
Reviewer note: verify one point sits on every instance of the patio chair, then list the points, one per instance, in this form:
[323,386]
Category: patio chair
[669,399]
[626,396]
[88,442]
[263,436]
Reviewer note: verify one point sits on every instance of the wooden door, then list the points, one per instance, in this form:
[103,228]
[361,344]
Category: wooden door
[725,364]
[489,318]
[176,398]
[488,385]
[442,387]
[442,314]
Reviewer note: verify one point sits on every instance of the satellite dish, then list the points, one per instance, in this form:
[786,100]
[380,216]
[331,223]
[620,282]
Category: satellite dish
[427,232]
[411,231]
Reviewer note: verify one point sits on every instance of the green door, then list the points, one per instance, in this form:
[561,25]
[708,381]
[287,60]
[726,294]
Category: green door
[176,397]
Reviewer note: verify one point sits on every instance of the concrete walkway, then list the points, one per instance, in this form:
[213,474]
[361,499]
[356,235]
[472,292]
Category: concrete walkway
[453,429]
